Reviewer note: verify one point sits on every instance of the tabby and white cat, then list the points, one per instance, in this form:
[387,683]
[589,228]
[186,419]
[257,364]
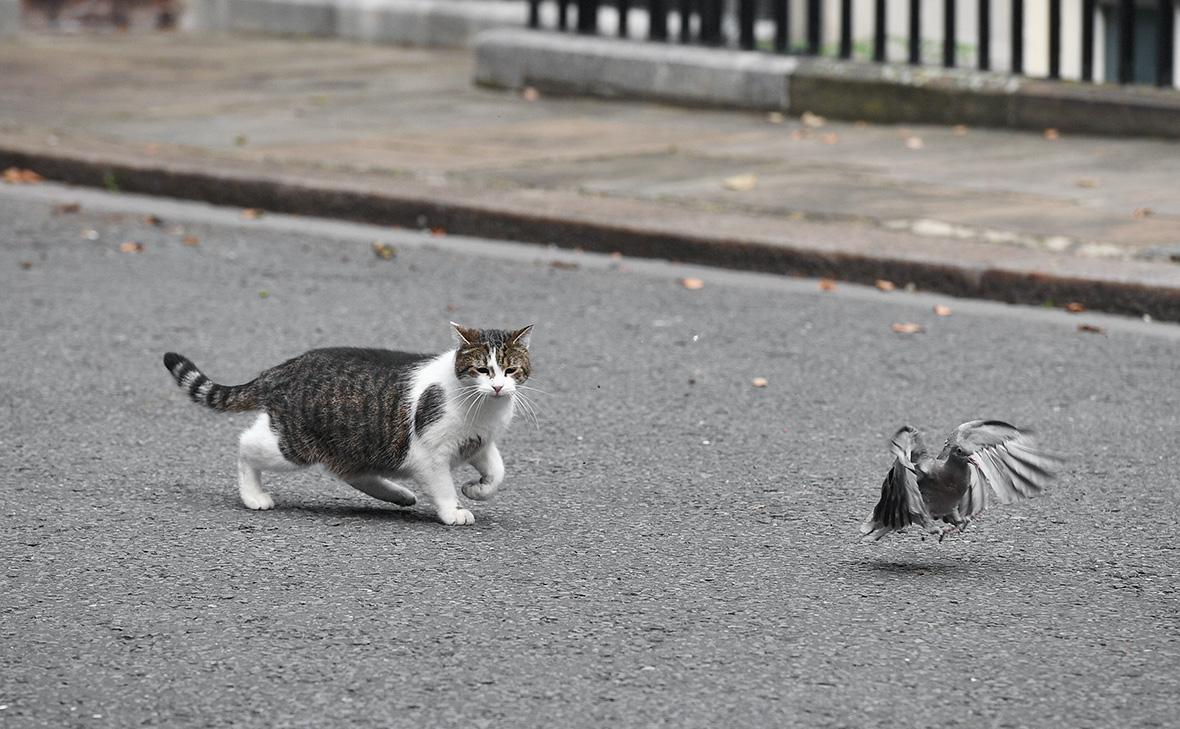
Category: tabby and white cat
[372,415]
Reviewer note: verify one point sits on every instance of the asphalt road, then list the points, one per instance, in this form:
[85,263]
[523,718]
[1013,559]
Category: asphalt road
[673,546]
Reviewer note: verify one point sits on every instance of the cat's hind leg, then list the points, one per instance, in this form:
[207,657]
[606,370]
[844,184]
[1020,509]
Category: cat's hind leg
[383,489]
[490,465]
[258,451]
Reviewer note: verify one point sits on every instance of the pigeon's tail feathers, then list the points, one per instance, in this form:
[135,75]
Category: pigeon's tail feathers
[224,398]
[901,504]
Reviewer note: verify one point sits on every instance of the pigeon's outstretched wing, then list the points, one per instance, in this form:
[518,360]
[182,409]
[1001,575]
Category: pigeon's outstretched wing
[901,502]
[1007,464]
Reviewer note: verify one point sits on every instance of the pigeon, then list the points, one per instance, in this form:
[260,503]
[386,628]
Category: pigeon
[983,461]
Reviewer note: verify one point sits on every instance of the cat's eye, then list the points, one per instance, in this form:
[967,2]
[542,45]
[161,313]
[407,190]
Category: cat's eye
[512,370]
[482,370]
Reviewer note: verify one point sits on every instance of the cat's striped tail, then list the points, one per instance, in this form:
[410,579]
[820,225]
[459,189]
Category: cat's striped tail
[224,398]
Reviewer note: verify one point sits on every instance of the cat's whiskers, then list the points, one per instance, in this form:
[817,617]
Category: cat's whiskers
[526,407]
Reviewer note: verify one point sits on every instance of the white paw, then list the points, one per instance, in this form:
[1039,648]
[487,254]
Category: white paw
[479,490]
[260,501]
[456,517]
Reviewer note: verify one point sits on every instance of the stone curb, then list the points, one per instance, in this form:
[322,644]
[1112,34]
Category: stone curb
[561,63]
[1133,288]
[430,23]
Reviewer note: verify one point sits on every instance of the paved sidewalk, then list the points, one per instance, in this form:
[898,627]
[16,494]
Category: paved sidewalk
[408,123]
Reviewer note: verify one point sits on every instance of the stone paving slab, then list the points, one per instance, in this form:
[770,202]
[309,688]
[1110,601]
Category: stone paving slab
[408,123]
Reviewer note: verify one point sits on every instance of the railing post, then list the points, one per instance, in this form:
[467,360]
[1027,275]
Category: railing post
[948,33]
[624,9]
[782,25]
[563,14]
[1017,36]
[1055,39]
[588,16]
[657,29]
[879,31]
[915,32]
[814,26]
[985,35]
[845,28]
[1165,46]
[685,20]
[746,10]
[711,22]
[1087,40]
[534,13]
[1126,41]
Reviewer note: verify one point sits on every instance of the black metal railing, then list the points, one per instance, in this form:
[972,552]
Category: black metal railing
[703,22]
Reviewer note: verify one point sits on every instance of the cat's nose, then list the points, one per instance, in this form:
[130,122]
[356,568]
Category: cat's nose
[497,388]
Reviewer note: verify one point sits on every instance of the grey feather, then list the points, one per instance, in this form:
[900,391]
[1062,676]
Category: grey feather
[982,462]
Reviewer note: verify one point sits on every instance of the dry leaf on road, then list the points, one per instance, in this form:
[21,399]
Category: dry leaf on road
[759,382]
[692,283]
[530,94]
[191,240]
[907,327]
[563,265]
[827,284]
[741,183]
[153,220]
[438,232]
[1052,134]
[131,246]
[252,213]
[775,117]
[830,138]
[1140,213]
[1091,329]
[941,310]
[914,143]
[815,121]
[384,251]
[959,130]
[885,285]
[1087,182]
[1075,307]
[67,208]
[21,176]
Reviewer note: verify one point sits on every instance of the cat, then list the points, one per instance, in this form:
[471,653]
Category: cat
[378,418]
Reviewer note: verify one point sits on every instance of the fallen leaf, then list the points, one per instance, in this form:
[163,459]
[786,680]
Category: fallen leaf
[775,117]
[941,310]
[741,183]
[885,285]
[1052,134]
[907,327]
[26,265]
[830,138]
[252,213]
[241,140]
[692,283]
[191,240]
[438,232]
[153,220]
[1141,213]
[263,294]
[815,121]
[67,208]
[1091,329]
[914,143]
[530,94]
[616,256]
[563,265]
[1075,307]
[384,251]
[451,308]
[21,176]
[759,382]
[798,135]
[131,246]
[90,234]
[959,130]
[861,124]
[827,284]
[1087,182]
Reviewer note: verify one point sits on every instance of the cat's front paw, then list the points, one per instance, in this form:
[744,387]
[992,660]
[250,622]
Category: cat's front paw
[260,501]
[480,490]
[456,517]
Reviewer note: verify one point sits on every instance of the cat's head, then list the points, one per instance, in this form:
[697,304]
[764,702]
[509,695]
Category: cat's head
[494,360]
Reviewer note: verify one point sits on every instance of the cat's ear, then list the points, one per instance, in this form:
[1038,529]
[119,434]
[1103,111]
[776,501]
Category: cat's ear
[521,336]
[465,335]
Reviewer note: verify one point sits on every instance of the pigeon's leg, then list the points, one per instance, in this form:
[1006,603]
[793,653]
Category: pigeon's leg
[958,524]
